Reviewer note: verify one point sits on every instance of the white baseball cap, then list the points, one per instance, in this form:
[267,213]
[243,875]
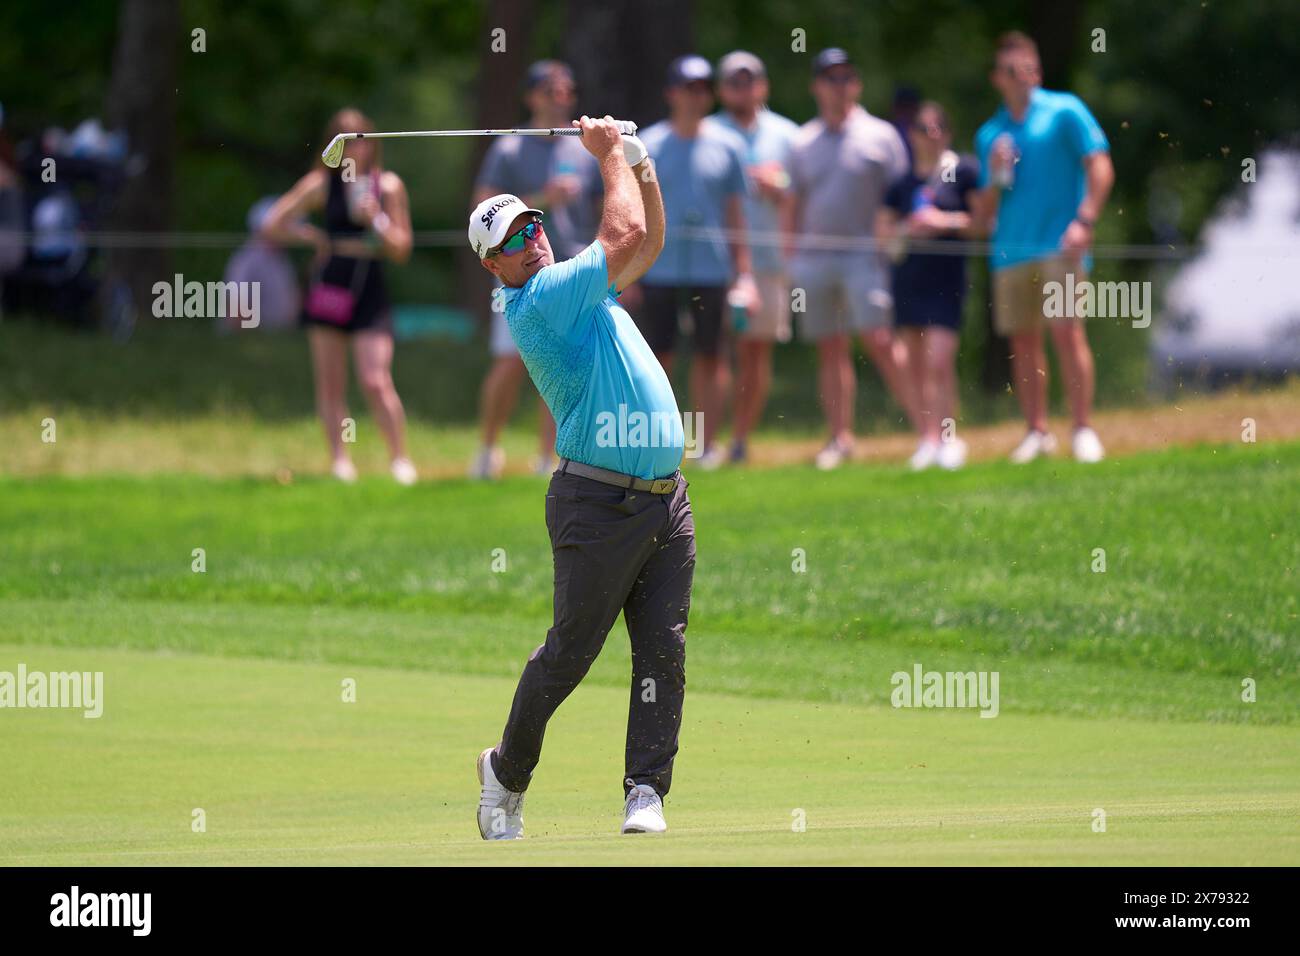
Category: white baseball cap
[491,219]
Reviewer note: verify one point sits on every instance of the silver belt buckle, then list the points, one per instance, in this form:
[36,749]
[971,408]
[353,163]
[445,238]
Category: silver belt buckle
[662,486]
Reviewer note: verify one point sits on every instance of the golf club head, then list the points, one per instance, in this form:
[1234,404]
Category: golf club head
[333,154]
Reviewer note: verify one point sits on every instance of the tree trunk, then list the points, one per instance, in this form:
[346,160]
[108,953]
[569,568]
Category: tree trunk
[142,101]
[620,53]
[499,87]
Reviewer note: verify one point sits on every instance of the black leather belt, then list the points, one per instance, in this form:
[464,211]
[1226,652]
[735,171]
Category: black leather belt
[656,486]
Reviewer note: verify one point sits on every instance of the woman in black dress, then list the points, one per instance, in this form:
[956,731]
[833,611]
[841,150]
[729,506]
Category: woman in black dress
[366,221]
[931,202]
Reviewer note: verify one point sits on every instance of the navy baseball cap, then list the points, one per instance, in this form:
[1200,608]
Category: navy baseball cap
[689,69]
[543,71]
[829,57]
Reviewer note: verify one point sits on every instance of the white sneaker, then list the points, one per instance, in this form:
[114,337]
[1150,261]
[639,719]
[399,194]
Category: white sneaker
[488,463]
[926,454]
[644,812]
[1087,446]
[500,811]
[833,455]
[403,471]
[344,470]
[1034,444]
[952,454]
[712,459]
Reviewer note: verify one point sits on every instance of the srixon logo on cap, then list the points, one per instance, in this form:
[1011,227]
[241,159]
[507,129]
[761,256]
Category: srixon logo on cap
[488,216]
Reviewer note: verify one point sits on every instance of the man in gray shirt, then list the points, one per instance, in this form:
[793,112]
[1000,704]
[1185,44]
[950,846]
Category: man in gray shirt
[840,165]
[554,173]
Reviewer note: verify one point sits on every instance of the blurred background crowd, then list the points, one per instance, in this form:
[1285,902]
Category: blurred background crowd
[832,180]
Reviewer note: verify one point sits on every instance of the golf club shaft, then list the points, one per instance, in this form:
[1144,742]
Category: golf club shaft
[333,154]
[553,131]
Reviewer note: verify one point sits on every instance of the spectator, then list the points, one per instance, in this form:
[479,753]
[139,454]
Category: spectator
[743,89]
[930,203]
[841,164]
[1046,174]
[558,175]
[902,113]
[367,220]
[700,165]
[262,261]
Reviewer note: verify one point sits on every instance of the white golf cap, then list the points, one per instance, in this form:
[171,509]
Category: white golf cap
[491,219]
[740,61]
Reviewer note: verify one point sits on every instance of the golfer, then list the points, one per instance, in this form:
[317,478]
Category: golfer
[622,535]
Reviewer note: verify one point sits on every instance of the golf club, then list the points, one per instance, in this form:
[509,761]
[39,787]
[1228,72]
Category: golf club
[333,154]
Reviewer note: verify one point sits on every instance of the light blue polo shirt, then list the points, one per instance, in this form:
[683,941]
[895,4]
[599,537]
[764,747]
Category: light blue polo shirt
[612,402]
[768,140]
[1058,131]
[696,178]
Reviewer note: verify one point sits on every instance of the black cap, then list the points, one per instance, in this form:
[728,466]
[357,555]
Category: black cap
[689,69]
[542,71]
[829,57]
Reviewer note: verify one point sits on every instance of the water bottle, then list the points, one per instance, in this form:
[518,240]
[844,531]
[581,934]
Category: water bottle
[1005,178]
[739,310]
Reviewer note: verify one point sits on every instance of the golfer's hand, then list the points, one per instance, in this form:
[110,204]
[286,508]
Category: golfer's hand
[634,150]
[600,136]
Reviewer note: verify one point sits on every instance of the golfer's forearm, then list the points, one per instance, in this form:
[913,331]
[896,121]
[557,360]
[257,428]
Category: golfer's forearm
[623,218]
[652,202]
[653,244]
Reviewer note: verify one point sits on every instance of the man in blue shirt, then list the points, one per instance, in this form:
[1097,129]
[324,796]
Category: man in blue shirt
[1046,174]
[700,165]
[622,534]
[743,89]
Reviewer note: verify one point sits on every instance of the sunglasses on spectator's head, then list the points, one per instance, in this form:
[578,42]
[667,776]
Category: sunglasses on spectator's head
[517,242]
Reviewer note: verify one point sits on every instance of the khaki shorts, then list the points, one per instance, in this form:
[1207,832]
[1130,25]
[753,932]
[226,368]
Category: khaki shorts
[841,294]
[771,323]
[1019,294]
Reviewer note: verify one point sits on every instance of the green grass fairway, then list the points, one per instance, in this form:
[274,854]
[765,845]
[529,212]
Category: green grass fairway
[1120,691]
[287,773]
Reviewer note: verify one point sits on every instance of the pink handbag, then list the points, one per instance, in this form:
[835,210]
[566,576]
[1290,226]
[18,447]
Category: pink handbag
[330,303]
[334,303]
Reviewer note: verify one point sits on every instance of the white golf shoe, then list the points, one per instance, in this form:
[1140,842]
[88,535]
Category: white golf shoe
[1033,445]
[344,470]
[1087,446]
[403,471]
[488,464]
[500,811]
[644,812]
[926,454]
[833,454]
[951,454]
